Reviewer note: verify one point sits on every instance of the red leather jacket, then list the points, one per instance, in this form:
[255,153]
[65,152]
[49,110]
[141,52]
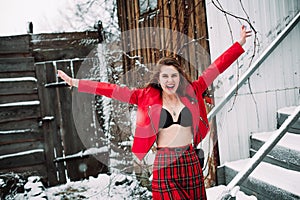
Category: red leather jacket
[149,102]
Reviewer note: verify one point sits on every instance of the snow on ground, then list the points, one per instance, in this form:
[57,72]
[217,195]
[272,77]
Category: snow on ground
[104,187]
[110,187]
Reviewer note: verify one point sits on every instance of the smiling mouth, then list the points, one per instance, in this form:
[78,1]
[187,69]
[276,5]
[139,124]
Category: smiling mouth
[170,87]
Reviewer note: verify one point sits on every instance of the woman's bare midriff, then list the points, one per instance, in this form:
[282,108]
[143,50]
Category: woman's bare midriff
[174,136]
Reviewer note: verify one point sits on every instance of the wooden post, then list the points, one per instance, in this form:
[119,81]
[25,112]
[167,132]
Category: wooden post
[55,171]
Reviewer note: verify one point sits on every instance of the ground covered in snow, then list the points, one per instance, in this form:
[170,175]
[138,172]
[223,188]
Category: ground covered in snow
[104,187]
[112,187]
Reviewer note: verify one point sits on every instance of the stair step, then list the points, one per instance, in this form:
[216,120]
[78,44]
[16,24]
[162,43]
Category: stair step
[285,154]
[266,181]
[216,192]
[283,114]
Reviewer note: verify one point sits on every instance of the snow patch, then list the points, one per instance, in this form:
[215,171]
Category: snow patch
[90,151]
[109,187]
[18,79]
[287,110]
[21,153]
[48,118]
[279,177]
[15,131]
[22,103]
[289,140]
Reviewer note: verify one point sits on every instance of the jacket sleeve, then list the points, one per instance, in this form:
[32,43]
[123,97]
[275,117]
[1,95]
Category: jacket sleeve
[113,91]
[218,67]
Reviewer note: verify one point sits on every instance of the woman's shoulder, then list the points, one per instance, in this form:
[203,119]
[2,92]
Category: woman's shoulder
[149,90]
[148,94]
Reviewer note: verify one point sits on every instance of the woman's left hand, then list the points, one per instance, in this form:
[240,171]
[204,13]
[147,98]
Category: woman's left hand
[244,35]
[67,79]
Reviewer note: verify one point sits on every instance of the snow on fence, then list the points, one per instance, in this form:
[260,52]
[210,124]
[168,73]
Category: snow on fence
[36,126]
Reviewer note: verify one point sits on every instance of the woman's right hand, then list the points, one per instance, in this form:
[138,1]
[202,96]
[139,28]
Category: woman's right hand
[67,79]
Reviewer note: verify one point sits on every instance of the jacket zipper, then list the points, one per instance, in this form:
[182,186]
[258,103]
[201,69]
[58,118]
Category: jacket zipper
[152,125]
[204,122]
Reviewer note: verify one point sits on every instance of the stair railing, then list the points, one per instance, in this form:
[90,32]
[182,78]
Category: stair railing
[261,153]
[268,146]
[254,66]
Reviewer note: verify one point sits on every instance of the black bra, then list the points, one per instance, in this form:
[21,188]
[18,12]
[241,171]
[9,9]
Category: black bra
[184,118]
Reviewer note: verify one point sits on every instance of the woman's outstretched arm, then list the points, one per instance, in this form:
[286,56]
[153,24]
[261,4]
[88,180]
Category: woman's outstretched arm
[120,93]
[222,62]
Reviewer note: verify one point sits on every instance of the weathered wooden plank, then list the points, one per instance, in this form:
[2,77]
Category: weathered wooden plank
[68,128]
[18,98]
[161,22]
[17,74]
[121,6]
[22,124]
[38,39]
[47,45]
[201,32]
[33,170]
[17,87]
[167,25]
[6,150]
[154,51]
[174,25]
[61,46]
[148,43]
[17,113]
[75,167]
[61,54]
[20,136]
[48,97]
[15,44]
[142,41]
[34,158]
[130,32]
[16,64]
[138,47]
[191,36]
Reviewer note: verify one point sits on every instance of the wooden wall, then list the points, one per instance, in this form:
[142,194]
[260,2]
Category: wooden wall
[37,130]
[175,28]
[19,109]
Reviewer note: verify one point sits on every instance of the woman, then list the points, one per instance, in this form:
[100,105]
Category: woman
[170,112]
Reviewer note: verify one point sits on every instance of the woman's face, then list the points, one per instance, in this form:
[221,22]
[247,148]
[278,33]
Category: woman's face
[169,79]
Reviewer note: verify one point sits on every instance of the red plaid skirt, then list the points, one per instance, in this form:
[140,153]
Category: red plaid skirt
[177,174]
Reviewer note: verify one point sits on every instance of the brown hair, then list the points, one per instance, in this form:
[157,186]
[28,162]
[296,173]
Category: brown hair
[170,61]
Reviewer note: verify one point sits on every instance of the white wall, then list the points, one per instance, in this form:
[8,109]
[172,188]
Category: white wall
[274,85]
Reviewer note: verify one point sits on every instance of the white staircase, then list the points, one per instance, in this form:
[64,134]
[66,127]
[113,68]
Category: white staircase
[278,176]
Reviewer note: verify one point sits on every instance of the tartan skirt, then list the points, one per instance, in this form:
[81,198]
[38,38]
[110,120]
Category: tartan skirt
[177,175]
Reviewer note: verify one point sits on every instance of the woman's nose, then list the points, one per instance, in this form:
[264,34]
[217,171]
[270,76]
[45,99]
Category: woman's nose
[170,79]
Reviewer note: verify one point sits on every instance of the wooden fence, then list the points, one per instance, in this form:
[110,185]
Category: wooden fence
[37,129]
